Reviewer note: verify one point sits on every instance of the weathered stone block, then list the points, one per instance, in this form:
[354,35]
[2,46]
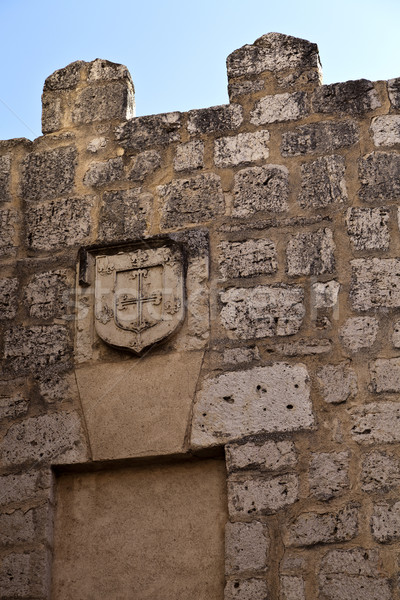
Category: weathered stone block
[394,92]
[321,137]
[66,78]
[101,173]
[57,387]
[379,174]
[367,228]
[124,214]
[5,168]
[236,356]
[385,522]
[97,144]
[260,189]
[242,88]
[189,156]
[338,383]
[142,133]
[380,472]
[385,375]
[323,182]
[278,108]
[60,223]
[8,242]
[25,574]
[105,70]
[304,347]
[8,297]
[359,332]
[262,311]
[49,174]
[261,497]
[263,456]
[193,200]
[259,400]
[375,283]
[292,588]
[376,423]
[246,589]
[33,485]
[329,474]
[350,97]
[145,163]
[13,406]
[21,527]
[36,347]
[386,130]
[241,148]
[311,253]
[217,118]
[246,546]
[247,259]
[325,295]
[114,100]
[396,335]
[47,295]
[323,528]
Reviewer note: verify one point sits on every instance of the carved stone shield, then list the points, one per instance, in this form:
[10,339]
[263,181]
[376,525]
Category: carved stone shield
[139,296]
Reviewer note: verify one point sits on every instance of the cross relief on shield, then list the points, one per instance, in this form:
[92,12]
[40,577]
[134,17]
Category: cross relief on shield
[139,296]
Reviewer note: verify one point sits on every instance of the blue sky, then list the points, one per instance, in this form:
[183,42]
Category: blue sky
[176,49]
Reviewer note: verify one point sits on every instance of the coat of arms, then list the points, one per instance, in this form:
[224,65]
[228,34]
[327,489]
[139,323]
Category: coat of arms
[139,296]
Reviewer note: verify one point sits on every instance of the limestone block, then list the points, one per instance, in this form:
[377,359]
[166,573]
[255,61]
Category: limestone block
[25,574]
[264,456]
[101,173]
[385,522]
[377,422]
[292,588]
[8,297]
[380,472]
[394,92]
[260,189]
[33,485]
[292,563]
[246,589]
[337,383]
[52,116]
[8,242]
[97,144]
[329,474]
[311,253]
[66,78]
[323,137]
[367,228]
[35,347]
[55,438]
[325,294]
[322,182]
[385,375]
[379,174]
[46,295]
[236,356]
[386,130]
[323,528]
[124,214]
[57,387]
[359,332]
[217,118]
[396,335]
[304,347]
[375,283]
[259,400]
[19,527]
[145,163]
[262,311]
[13,406]
[242,148]
[261,497]
[105,70]
[247,259]
[278,108]
[114,100]
[60,223]
[48,174]
[246,546]
[192,200]
[189,156]
[142,133]
[242,88]
[5,168]
[350,97]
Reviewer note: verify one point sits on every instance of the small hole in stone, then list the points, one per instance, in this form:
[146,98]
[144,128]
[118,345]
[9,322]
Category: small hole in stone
[236,584]
[296,385]
[289,406]
[228,399]
[204,414]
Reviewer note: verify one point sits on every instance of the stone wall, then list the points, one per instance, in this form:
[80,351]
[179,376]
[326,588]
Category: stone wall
[283,206]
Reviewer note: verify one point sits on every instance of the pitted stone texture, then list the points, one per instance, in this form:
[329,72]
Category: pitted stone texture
[375,283]
[33,348]
[321,138]
[25,574]
[242,88]
[380,472]
[101,173]
[311,253]
[105,70]
[217,118]
[259,400]
[338,383]
[261,497]
[273,52]
[8,242]
[260,189]
[20,527]
[52,116]
[124,214]
[193,200]
[292,588]
[189,156]
[367,228]
[246,546]
[323,528]
[142,133]
[241,148]
[5,167]
[385,375]
[304,347]
[278,108]
[59,223]
[13,406]
[55,438]
[329,475]
[47,295]
[236,356]
[8,297]
[263,456]
[292,563]
[350,97]
[66,78]
[247,259]
[49,174]
[385,522]
[57,387]
[359,332]
[386,130]
[396,335]
[394,92]
[262,311]
[246,589]
[33,485]
[376,423]
[145,163]
[97,144]
[323,182]
[379,174]
[325,295]
[114,100]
